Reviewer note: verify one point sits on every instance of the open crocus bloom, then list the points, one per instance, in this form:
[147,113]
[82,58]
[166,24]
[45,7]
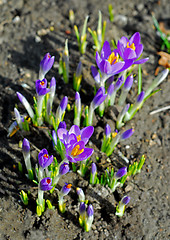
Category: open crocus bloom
[41,87]
[74,135]
[44,159]
[78,152]
[45,184]
[131,49]
[109,63]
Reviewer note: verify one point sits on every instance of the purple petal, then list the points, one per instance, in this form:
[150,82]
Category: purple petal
[124,40]
[121,172]
[25,145]
[141,61]
[129,54]
[85,154]
[86,133]
[135,39]
[95,74]
[106,50]
[75,129]
[139,50]
[98,59]
[125,200]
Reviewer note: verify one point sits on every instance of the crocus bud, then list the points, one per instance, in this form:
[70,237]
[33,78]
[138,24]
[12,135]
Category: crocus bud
[18,118]
[52,90]
[44,159]
[26,104]
[99,97]
[140,97]
[82,208]
[79,69]
[127,134]
[93,168]
[107,130]
[54,135]
[120,209]
[62,125]
[89,219]
[110,89]
[66,189]
[125,200]
[26,155]
[80,194]
[25,146]
[121,172]
[128,82]
[64,168]
[63,103]
[45,65]
[119,83]
[45,184]
[90,211]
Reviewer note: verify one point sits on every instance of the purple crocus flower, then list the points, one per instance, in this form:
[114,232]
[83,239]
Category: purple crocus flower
[119,83]
[63,103]
[45,65]
[25,146]
[125,200]
[93,168]
[121,172]
[90,211]
[41,87]
[62,125]
[99,97]
[82,208]
[78,152]
[127,134]
[74,135]
[128,82]
[109,63]
[66,189]
[54,135]
[140,97]
[107,130]
[45,184]
[131,49]
[44,159]
[64,168]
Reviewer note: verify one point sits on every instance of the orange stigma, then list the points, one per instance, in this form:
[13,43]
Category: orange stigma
[114,134]
[48,181]
[76,151]
[42,83]
[112,59]
[69,185]
[132,46]
[45,155]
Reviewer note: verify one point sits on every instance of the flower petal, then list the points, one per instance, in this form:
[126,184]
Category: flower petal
[106,50]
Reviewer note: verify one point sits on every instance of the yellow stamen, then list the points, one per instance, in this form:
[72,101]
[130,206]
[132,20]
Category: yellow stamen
[132,46]
[114,134]
[113,58]
[78,138]
[76,151]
